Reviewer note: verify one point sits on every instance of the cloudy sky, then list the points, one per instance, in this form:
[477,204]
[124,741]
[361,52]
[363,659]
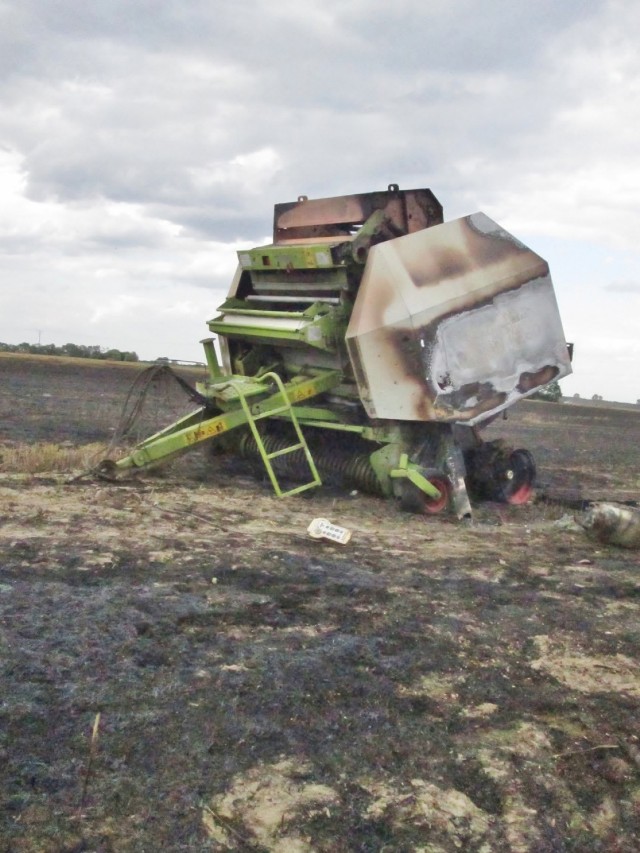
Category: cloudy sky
[143,142]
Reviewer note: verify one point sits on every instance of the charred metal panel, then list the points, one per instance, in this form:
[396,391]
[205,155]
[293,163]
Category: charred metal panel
[406,211]
[454,323]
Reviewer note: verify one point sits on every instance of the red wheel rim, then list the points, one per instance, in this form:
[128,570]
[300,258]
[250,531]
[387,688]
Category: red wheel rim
[415,500]
[519,480]
[521,495]
[431,505]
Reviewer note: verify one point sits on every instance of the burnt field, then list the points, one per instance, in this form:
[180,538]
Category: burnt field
[182,668]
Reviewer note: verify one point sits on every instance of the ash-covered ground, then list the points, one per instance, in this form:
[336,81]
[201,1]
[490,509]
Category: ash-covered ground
[430,686]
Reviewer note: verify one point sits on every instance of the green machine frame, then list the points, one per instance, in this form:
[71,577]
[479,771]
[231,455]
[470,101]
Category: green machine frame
[354,346]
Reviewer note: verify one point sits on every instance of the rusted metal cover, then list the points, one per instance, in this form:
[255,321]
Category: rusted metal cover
[405,211]
[454,323]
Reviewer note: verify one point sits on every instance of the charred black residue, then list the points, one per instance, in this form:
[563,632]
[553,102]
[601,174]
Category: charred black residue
[356,362]
[406,346]
[448,263]
[529,381]
[444,381]
[489,247]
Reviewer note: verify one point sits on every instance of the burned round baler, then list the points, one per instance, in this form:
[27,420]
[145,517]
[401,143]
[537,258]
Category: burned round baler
[368,343]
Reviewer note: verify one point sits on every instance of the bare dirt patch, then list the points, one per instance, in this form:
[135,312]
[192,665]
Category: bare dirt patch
[430,686]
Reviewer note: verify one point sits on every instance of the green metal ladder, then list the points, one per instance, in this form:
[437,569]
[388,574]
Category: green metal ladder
[285,409]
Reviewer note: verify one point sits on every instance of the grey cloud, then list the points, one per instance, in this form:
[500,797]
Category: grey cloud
[132,239]
[218,285]
[319,95]
[155,103]
[19,244]
[437,34]
[341,49]
[623,287]
[220,226]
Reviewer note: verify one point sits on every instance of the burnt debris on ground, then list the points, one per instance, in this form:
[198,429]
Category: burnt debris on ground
[429,686]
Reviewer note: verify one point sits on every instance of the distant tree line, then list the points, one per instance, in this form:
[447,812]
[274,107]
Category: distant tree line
[552,393]
[71,350]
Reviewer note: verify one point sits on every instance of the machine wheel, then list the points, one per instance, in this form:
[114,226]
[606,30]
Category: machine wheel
[415,500]
[515,477]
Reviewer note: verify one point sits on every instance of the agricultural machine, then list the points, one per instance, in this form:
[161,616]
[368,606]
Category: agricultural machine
[367,345]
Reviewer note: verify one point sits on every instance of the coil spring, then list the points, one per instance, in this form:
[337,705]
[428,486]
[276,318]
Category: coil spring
[339,467]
